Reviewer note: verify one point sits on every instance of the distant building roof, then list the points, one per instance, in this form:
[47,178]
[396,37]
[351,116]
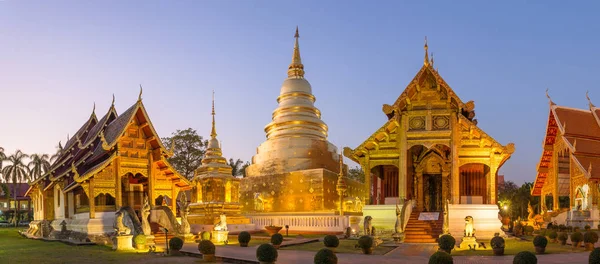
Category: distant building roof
[21,190]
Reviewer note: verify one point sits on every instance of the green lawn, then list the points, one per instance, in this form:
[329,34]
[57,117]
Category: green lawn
[513,246]
[346,246]
[16,249]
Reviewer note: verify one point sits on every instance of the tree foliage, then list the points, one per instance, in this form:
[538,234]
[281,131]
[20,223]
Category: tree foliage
[16,172]
[189,149]
[356,174]
[238,167]
[516,198]
[38,165]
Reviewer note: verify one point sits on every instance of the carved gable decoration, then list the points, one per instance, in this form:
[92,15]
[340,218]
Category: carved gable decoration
[441,122]
[106,174]
[416,123]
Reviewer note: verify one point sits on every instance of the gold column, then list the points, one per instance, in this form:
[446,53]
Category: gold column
[367,169]
[555,172]
[151,177]
[119,198]
[492,181]
[455,145]
[402,167]
[420,195]
[91,199]
[174,198]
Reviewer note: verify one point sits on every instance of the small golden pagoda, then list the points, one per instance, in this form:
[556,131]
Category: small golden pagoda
[215,190]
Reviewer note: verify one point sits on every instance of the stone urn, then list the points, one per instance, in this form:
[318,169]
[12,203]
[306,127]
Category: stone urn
[273,229]
[367,251]
[589,246]
[208,257]
[499,251]
[506,220]
[540,250]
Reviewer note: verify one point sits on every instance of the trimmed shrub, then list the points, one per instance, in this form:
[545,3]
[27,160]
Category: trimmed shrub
[590,237]
[595,256]
[542,232]
[563,236]
[175,243]
[244,237]
[540,241]
[562,227]
[525,257]
[331,241]
[365,242]
[325,256]
[206,247]
[266,253]
[552,234]
[576,237]
[587,227]
[441,257]
[205,235]
[447,242]
[528,229]
[348,232]
[139,239]
[276,239]
[497,242]
[576,229]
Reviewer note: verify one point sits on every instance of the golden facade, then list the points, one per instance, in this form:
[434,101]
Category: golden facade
[430,149]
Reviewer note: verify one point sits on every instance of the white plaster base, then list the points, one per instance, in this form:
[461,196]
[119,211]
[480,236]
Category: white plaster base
[577,220]
[320,221]
[102,224]
[124,242]
[384,216]
[485,220]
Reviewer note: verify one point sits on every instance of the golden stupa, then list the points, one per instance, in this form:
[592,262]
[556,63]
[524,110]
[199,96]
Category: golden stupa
[215,190]
[295,169]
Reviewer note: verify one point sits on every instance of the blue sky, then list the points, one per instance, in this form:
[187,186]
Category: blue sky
[59,57]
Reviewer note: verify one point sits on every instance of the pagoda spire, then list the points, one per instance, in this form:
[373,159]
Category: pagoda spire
[432,59]
[140,95]
[589,100]
[549,99]
[113,101]
[296,68]
[426,60]
[341,185]
[213,132]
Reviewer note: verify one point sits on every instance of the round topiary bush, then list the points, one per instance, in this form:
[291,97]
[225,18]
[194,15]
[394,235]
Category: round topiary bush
[497,242]
[348,232]
[276,239]
[595,256]
[244,238]
[587,227]
[139,239]
[266,253]
[205,235]
[206,247]
[441,257]
[528,229]
[175,243]
[540,241]
[447,243]
[325,256]
[366,244]
[525,257]
[576,237]
[331,241]
[542,232]
[553,235]
[590,237]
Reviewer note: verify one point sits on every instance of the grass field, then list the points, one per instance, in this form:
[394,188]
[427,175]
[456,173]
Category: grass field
[513,246]
[346,246]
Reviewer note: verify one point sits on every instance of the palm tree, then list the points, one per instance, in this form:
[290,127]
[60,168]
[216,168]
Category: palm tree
[39,165]
[15,172]
[55,156]
[236,166]
[2,158]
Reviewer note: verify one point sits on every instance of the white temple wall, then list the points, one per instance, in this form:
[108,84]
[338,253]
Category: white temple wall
[59,203]
[485,220]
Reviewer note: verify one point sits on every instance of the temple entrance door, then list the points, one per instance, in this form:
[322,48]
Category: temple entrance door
[432,190]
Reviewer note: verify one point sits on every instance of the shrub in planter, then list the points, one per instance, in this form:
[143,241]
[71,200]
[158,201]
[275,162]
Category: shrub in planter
[525,257]
[497,244]
[276,240]
[325,256]
[207,248]
[562,227]
[528,230]
[446,243]
[518,229]
[562,237]
[205,235]
[140,241]
[595,256]
[576,238]
[366,244]
[587,227]
[175,244]
[542,232]
[440,257]
[553,235]
[540,243]
[576,229]
[266,253]
[590,238]
[331,241]
[598,227]
[244,238]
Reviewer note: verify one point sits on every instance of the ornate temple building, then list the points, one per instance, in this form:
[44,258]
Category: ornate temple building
[431,150]
[108,163]
[295,169]
[570,162]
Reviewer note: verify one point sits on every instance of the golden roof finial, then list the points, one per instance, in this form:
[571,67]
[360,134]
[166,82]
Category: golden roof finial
[140,95]
[213,132]
[426,61]
[113,101]
[432,59]
[341,165]
[94,109]
[589,100]
[549,99]
[296,68]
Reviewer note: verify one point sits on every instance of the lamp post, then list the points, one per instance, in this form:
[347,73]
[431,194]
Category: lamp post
[166,239]
[287,228]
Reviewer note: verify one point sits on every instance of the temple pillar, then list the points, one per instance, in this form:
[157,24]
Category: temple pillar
[174,198]
[455,166]
[151,178]
[91,198]
[366,166]
[419,186]
[491,179]
[555,172]
[402,147]
[119,198]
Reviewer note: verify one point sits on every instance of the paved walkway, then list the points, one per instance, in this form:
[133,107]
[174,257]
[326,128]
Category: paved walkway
[405,253]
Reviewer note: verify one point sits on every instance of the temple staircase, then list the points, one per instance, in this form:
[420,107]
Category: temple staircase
[159,235]
[418,231]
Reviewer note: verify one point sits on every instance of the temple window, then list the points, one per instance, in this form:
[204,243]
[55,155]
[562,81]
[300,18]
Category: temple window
[81,201]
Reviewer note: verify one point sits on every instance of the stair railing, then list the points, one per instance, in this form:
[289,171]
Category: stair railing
[407,208]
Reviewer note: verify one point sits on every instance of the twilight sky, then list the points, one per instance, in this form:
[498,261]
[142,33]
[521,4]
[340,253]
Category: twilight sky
[59,57]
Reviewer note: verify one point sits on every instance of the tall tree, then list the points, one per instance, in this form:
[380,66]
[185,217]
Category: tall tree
[243,169]
[356,174]
[54,157]
[189,149]
[16,172]
[2,158]
[38,165]
[238,167]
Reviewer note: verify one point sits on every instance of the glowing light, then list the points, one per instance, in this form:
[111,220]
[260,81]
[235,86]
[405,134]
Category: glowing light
[505,207]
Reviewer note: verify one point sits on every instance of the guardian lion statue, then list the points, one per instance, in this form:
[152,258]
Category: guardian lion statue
[222,224]
[368,226]
[469,230]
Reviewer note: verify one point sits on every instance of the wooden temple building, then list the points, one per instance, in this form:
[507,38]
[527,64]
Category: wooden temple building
[108,163]
[570,163]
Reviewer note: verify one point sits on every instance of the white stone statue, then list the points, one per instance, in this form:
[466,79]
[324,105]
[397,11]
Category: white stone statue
[584,193]
[119,224]
[368,226]
[259,203]
[222,224]
[469,230]
[399,220]
[184,211]
[145,213]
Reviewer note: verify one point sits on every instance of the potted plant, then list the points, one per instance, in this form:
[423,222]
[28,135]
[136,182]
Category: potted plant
[562,237]
[553,235]
[540,243]
[205,235]
[441,257]
[266,254]
[447,243]
[331,242]
[207,248]
[140,241]
[590,238]
[271,229]
[366,244]
[576,238]
[175,244]
[325,256]
[525,257]
[595,256]
[244,238]
[497,245]
[276,240]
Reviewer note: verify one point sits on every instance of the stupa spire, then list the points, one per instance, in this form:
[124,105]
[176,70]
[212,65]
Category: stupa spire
[296,68]
[426,61]
[213,132]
